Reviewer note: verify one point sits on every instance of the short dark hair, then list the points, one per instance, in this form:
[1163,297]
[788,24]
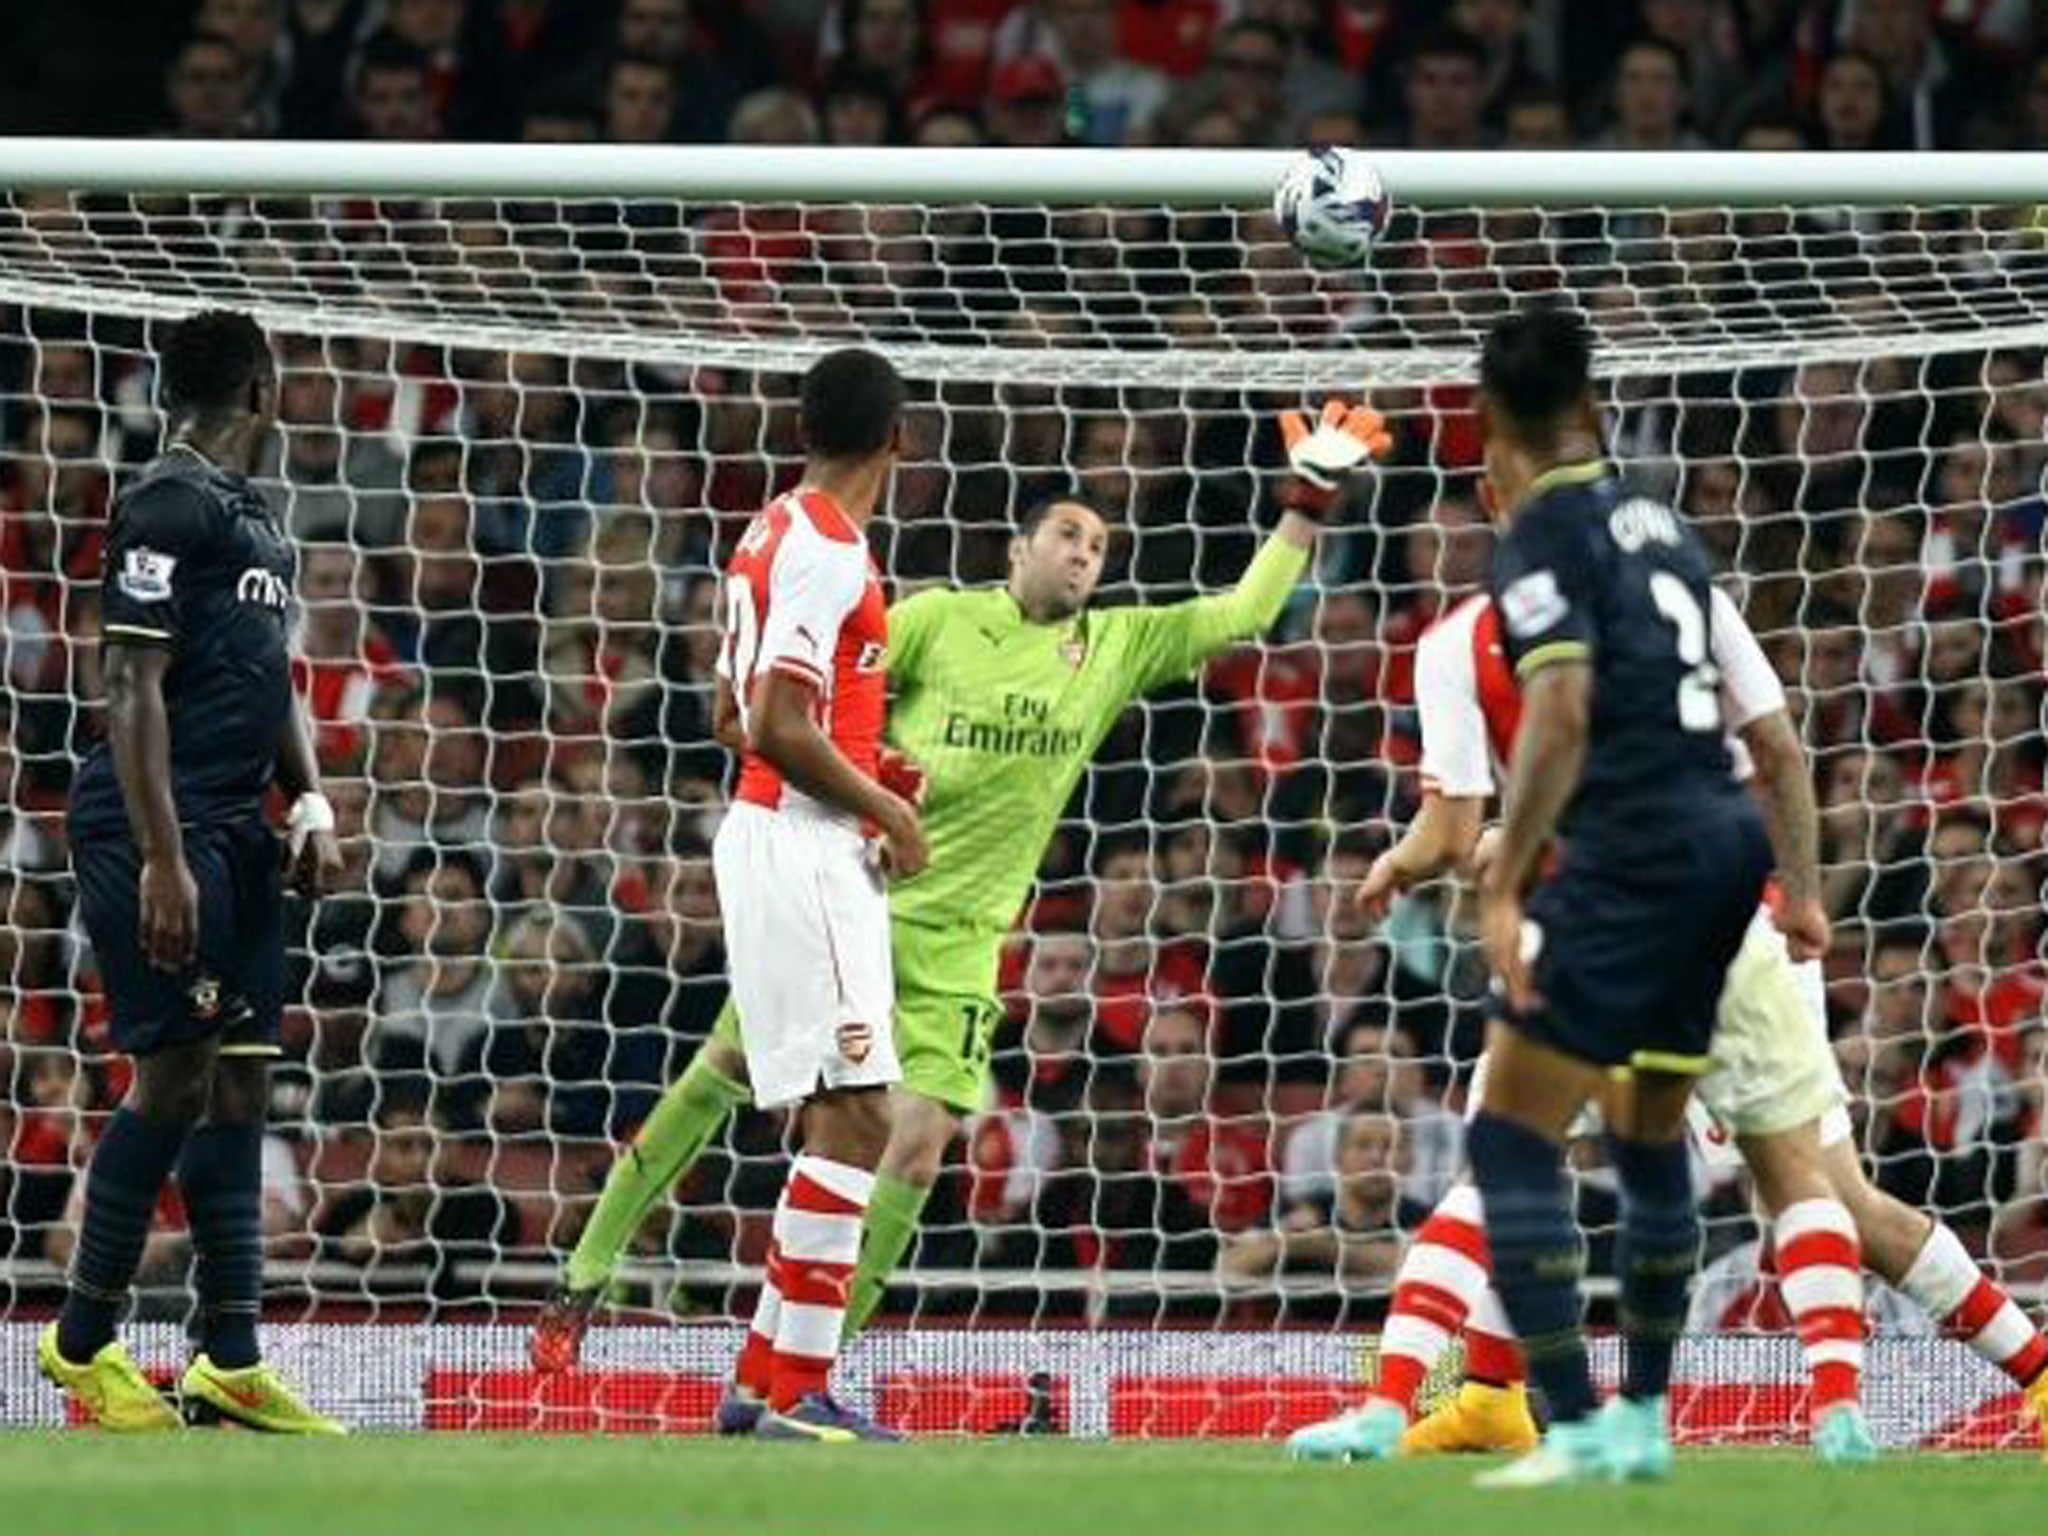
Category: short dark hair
[631,60]
[210,362]
[1450,42]
[1535,366]
[385,52]
[1033,517]
[850,403]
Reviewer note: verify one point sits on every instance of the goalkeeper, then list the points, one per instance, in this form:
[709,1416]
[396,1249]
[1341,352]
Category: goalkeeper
[1000,696]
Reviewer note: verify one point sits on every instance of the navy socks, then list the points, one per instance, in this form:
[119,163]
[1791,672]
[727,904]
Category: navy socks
[1658,1250]
[222,1178]
[127,1174]
[1537,1257]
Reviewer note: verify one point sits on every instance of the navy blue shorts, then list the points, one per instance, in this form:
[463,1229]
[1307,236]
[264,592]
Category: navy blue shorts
[1635,949]
[234,988]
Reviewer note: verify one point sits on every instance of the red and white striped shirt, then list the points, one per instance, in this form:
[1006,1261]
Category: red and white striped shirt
[802,597]
[1471,707]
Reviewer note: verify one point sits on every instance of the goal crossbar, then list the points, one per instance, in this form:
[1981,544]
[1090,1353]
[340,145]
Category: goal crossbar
[1060,177]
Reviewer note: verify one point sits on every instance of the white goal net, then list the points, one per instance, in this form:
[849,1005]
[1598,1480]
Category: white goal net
[521,434]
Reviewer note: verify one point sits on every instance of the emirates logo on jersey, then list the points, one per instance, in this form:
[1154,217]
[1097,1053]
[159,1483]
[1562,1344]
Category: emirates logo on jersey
[855,1042]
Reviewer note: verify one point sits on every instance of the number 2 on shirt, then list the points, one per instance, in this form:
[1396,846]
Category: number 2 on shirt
[1699,696]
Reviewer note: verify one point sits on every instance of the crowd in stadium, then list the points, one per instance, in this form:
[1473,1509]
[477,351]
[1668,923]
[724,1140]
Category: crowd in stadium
[1212,1063]
[1438,74]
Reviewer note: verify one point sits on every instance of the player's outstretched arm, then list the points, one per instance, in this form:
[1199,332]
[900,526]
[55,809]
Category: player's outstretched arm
[139,741]
[1557,706]
[1784,787]
[1442,837]
[1178,638]
[783,728]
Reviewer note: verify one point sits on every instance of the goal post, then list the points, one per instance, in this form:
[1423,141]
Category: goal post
[530,396]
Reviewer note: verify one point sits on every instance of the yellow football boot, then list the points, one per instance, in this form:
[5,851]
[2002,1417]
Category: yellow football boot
[110,1387]
[1477,1418]
[256,1397]
[2037,1403]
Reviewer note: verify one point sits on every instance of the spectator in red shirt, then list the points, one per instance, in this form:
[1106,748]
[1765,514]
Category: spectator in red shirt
[343,659]
[1220,1164]
[1133,970]
[1247,79]
[2019,1233]
[1027,104]
[1174,36]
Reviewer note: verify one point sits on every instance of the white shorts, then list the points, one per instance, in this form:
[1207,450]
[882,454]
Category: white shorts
[1773,1066]
[807,947]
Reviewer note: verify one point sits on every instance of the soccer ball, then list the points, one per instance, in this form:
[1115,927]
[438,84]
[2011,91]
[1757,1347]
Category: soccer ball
[1332,206]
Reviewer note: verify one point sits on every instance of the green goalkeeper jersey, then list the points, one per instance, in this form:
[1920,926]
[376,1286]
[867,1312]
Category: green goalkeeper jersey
[1004,715]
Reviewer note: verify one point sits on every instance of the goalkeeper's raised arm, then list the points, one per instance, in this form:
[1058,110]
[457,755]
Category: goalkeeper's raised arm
[1171,641]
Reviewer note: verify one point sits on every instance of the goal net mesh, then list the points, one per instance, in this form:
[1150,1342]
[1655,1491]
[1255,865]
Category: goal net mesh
[520,437]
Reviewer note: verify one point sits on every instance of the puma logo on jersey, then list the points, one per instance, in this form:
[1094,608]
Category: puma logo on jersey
[256,585]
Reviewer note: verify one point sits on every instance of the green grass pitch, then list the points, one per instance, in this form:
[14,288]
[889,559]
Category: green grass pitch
[506,1485]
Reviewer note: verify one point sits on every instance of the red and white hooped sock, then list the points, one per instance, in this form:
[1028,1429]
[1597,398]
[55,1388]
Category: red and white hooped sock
[817,1242]
[1492,1353]
[756,1368]
[1820,1276]
[1946,1283]
[1442,1278]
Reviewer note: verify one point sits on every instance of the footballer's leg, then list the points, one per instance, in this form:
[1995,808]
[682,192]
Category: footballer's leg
[815,991]
[1820,1277]
[1516,1148]
[1929,1265]
[1774,1088]
[221,1169]
[664,1148]
[221,1174]
[155,1020]
[80,1352]
[810,1270]
[945,1021]
[920,1130]
[1441,1290]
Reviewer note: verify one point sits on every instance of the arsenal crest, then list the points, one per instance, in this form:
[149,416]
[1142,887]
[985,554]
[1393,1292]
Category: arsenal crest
[855,1041]
[1073,652]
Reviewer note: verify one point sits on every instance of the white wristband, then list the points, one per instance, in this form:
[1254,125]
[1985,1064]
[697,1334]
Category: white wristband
[310,813]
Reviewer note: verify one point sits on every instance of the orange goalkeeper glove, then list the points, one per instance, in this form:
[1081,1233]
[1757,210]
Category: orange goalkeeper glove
[1344,438]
